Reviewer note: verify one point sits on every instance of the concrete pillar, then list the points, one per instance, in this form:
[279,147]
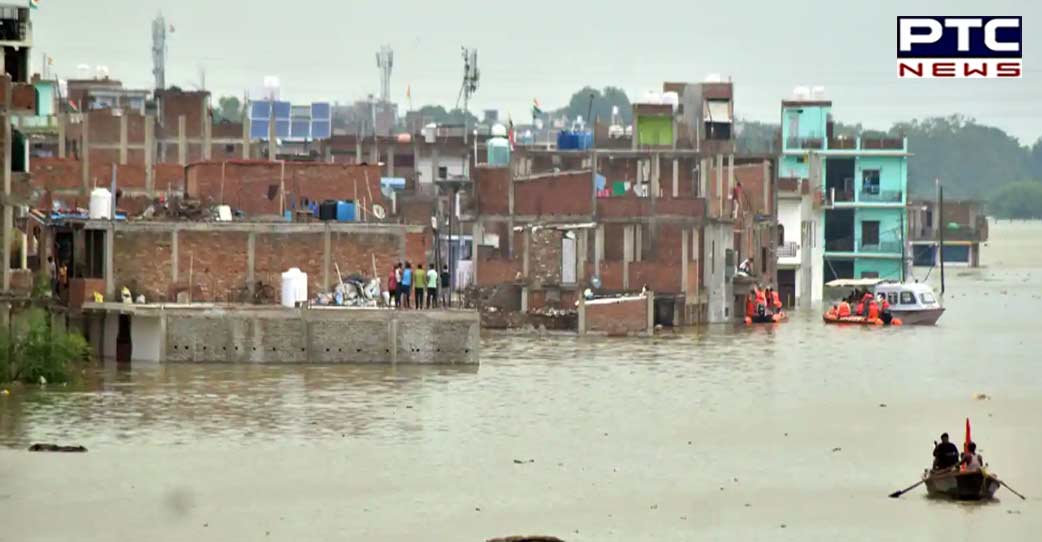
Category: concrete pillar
[162,334]
[582,243]
[767,207]
[207,127]
[582,314]
[684,258]
[510,217]
[435,162]
[524,299]
[272,135]
[524,257]
[656,170]
[245,137]
[638,242]
[110,278]
[182,141]
[358,149]
[703,178]
[676,178]
[478,233]
[390,160]
[150,149]
[85,155]
[598,249]
[627,254]
[8,211]
[719,193]
[651,313]
[62,119]
[23,254]
[251,247]
[730,173]
[374,152]
[393,339]
[173,256]
[327,255]
[123,139]
[593,167]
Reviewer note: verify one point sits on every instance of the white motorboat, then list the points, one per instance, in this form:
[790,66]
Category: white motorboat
[913,302]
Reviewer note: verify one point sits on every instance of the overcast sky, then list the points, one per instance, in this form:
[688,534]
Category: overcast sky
[325,50]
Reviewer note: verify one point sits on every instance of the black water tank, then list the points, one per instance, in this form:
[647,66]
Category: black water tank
[327,210]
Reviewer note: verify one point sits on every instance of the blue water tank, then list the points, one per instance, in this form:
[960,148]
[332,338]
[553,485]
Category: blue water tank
[569,140]
[345,211]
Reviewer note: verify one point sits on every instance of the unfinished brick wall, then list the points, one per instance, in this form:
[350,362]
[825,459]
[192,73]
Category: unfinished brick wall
[497,271]
[216,261]
[142,262]
[190,104]
[492,187]
[275,253]
[659,278]
[561,194]
[261,188]
[629,316]
[356,254]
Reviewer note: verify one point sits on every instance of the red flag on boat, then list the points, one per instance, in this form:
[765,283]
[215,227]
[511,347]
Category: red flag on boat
[968,439]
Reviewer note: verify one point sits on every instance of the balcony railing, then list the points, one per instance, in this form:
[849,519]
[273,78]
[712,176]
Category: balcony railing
[881,196]
[789,250]
[865,143]
[882,247]
[804,143]
[840,245]
[961,233]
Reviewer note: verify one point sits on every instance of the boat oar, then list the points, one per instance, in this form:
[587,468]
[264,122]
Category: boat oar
[1004,484]
[897,494]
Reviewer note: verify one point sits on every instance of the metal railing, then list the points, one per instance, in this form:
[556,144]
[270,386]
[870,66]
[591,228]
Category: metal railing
[840,245]
[881,247]
[881,196]
[789,250]
[805,143]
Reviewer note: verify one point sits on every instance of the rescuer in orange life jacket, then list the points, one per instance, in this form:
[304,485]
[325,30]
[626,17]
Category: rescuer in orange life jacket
[873,308]
[776,300]
[761,302]
[844,309]
[750,302]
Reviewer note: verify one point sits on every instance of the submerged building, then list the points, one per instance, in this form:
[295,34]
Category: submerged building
[857,187]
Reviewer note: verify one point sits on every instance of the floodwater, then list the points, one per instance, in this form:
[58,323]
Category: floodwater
[728,433]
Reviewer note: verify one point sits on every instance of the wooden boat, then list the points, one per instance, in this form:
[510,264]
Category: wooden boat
[964,486]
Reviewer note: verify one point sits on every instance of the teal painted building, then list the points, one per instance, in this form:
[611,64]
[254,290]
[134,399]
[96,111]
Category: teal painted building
[859,186]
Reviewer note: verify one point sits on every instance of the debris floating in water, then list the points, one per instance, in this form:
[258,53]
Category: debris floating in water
[38,447]
[981,397]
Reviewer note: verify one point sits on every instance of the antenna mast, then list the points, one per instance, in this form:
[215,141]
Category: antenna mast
[159,51]
[385,61]
[471,75]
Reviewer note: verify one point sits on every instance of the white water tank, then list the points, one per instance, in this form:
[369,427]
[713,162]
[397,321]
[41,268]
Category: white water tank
[100,204]
[294,287]
[224,213]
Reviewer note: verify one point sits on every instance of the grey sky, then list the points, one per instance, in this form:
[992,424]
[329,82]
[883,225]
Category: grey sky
[325,50]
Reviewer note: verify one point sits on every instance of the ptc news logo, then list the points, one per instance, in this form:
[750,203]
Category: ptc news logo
[959,47]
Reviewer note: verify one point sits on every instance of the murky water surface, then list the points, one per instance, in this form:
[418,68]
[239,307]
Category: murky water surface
[727,433]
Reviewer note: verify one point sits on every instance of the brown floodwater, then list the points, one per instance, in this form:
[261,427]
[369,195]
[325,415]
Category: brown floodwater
[797,432]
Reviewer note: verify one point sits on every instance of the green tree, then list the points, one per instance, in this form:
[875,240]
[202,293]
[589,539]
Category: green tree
[41,352]
[439,115]
[1021,199]
[601,107]
[229,108]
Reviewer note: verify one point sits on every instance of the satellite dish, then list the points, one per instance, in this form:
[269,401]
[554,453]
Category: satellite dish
[379,212]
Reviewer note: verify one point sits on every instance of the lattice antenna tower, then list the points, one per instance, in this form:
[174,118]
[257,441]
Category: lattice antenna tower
[159,51]
[385,61]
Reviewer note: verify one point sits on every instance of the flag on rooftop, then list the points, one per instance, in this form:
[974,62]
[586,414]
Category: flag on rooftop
[35,4]
[536,111]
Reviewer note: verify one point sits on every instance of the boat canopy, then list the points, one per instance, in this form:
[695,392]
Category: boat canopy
[852,283]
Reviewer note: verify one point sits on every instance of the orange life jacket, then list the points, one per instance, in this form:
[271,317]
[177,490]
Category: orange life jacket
[750,307]
[873,310]
[761,297]
[776,299]
[886,304]
[844,309]
[860,308]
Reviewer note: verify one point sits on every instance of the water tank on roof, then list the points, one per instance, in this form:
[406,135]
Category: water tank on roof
[671,98]
[498,151]
[651,97]
[100,204]
[801,93]
[429,132]
[714,78]
[818,92]
[498,130]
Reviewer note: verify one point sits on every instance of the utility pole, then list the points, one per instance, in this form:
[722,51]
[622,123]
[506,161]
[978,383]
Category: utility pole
[940,231]
[159,51]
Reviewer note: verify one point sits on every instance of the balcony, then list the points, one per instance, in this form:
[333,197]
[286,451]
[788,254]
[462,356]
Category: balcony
[789,250]
[960,233]
[866,144]
[881,196]
[881,247]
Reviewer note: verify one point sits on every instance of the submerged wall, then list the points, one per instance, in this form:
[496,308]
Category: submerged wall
[237,333]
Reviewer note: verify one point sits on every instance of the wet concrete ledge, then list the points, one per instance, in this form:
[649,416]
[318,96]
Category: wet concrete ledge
[271,334]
